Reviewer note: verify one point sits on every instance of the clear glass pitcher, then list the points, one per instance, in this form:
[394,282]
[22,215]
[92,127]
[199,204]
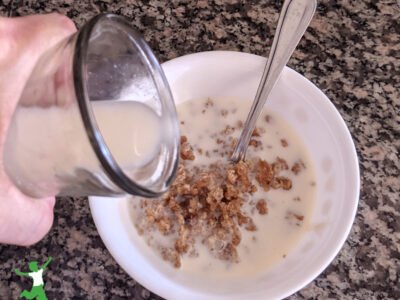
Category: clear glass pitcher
[96,117]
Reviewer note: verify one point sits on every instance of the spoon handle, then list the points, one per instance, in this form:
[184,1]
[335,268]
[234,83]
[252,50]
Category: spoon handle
[293,21]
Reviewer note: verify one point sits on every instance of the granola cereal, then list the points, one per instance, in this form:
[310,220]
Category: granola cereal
[215,210]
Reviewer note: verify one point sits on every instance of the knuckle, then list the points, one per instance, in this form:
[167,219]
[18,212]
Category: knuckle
[64,22]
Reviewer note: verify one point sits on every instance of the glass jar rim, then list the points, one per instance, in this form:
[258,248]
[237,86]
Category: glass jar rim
[107,161]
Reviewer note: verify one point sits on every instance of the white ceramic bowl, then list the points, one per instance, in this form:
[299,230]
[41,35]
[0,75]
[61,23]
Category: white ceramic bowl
[331,148]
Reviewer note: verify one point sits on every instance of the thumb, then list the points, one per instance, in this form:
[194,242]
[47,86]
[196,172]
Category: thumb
[23,41]
[39,32]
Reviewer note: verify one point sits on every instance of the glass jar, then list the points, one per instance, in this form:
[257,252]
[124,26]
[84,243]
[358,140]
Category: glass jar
[96,117]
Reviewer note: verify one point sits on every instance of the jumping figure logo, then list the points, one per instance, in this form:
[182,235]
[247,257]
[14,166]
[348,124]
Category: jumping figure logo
[37,291]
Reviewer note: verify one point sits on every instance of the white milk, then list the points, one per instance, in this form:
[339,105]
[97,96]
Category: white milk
[46,144]
[276,236]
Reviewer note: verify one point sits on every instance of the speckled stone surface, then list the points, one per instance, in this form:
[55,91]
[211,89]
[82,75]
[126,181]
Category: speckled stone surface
[351,51]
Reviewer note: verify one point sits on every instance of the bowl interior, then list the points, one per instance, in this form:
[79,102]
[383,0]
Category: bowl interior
[326,137]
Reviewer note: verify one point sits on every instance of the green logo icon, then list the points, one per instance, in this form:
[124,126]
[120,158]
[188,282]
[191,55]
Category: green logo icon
[37,291]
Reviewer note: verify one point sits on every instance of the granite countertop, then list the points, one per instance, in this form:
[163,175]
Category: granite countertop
[351,51]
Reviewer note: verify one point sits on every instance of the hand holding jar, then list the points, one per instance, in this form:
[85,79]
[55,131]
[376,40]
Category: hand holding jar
[86,113]
[23,220]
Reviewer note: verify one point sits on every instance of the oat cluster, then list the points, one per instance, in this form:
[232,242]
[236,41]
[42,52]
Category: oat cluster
[208,204]
[205,204]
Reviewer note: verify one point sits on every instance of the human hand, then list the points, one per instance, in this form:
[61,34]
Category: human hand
[23,220]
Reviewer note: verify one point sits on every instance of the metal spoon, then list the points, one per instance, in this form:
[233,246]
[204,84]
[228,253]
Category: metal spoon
[293,21]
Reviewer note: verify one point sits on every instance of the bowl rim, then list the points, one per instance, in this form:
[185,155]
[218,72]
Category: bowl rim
[150,284]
